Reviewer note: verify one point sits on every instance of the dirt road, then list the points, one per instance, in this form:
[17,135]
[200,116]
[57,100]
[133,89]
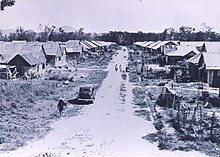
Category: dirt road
[106,128]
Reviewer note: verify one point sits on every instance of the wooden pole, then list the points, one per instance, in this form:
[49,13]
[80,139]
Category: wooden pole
[212,123]
[194,114]
[173,105]
[201,117]
[178,117]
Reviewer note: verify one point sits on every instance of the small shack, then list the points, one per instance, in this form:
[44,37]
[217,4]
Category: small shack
[73,50]
[26,57]
[54,54]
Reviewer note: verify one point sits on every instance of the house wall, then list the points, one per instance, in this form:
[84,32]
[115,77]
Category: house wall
[168,48]
[211,76]
[61,61]
[37,69]
[73,56]
[51,60]
[155,52]
[140,47]
[41,69]
[22,70]
[171,60]
[56,60]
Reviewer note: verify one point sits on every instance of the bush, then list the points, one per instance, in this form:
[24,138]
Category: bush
[137,91]
[158,124]
[215,101]
[124,76]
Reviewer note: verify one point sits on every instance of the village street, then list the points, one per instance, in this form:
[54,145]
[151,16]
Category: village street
[106,128]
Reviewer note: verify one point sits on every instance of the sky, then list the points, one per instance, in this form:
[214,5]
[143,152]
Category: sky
[112,15]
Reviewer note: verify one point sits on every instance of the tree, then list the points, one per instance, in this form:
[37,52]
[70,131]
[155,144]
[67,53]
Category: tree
[168,34]
[30,35]
[80,34]
[199,36]
[207,30]
[1,36]
[6,3]
[46,34]
[186,33]
[21,34]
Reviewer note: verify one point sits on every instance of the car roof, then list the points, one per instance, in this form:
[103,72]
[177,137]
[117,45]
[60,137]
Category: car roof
[86,87]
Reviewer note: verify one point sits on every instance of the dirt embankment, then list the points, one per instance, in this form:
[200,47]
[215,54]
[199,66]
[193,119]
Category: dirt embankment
[28,107]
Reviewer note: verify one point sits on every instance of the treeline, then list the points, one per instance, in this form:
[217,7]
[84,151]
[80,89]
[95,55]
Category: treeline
[185,33]
[49,33]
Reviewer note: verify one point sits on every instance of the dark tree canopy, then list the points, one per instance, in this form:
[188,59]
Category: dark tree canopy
[52,33]
[6,3]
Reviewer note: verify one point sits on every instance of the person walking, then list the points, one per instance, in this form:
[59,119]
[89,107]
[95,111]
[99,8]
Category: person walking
[120,68]
[126,68]
[116,67]
[60,106]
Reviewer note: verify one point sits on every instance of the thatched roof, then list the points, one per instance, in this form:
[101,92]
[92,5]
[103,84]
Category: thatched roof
[73,46]
[32,52]
[52,49]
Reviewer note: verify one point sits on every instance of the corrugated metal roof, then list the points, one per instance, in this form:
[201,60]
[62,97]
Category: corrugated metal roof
[147,43]
[212,61]
[212,47]
[164,43]
[85,45]
[91,44]
[97,43]
[138,43]
[192,43]
[209,45]
[153,44]
[182,51]
[105,43]
[144,43]
[195,59]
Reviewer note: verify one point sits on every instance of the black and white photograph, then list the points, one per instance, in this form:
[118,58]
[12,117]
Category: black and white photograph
[109,78]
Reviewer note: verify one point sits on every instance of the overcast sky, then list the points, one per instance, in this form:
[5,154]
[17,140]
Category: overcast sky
[108,15]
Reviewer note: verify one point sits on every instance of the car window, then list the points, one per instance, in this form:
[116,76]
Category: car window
[85,90]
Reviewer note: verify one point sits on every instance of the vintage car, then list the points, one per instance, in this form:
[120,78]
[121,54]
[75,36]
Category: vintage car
[85,95]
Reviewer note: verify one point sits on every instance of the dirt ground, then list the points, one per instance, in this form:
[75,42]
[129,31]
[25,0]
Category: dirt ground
[28,107]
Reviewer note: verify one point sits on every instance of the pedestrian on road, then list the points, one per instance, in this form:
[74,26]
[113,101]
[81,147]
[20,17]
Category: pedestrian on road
[120,68]
[126,68]
[116,67]
[60,106]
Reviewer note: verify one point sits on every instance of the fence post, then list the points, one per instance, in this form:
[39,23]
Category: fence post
[173,104]
[212,123]
[201,117]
